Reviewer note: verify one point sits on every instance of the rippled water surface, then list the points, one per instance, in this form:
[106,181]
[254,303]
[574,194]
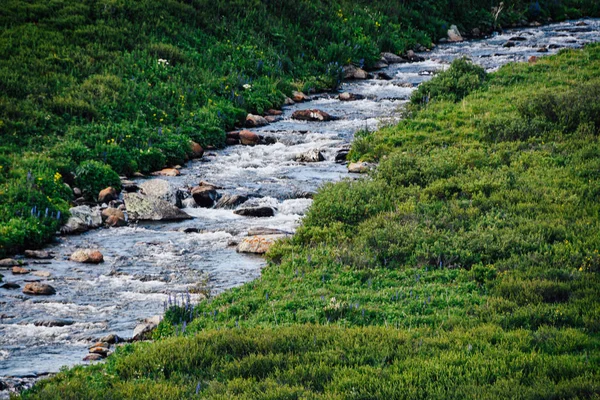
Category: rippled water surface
[146,262]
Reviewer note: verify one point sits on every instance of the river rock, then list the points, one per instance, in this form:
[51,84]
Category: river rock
[10,286]
[255,121]
[313,155]
[258,244]
[108,194]
[38,254]
[93,357]
[129,186]
[542,49]
[380,64]
[266,232]
[111,339]
[196,151]
[248,138]
[312,115]
[273,118]
[40,289]
[231,201]
[256,212]
[350,96]
[189,203]
[103,351]
[167,172]
[382,76]
[518,39]
[19,271]
[82,219]
[41,274]
[299,97]
[9,262]
[77,192]
[114,221]
[358,167]
[87,256]
[392,58]
[233,135]
[273,112]
[509,44]
[413,57]
[341,155]
[353,72]
[205,196]
[143,330]
[54,323]
[141,207]
[454,34]
[160,189]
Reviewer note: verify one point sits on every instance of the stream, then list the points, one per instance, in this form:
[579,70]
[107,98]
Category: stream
[146,262]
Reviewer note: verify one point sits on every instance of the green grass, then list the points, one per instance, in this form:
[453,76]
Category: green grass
[465,266]
[130,83]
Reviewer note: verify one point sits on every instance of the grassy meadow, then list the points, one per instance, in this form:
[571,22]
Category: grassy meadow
[465,266]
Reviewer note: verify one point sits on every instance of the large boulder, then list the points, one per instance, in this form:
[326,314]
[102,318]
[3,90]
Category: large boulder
[353,72]
[392,58]
[258,244]
[231,201]
[39,289]
[454,34]
[87,256]
[312,115]
[161,189]
[141,207]
[249,138]
[205,195]
[313,155]
[107,195]
[255,121]
[196,151]
[82,219]
[256,212]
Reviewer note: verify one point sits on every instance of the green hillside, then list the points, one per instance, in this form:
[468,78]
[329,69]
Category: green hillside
[466,266]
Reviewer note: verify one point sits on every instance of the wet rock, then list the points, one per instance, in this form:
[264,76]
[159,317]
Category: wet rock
[87,256]
[114,221]
[258,244]
[353,72]
[382,76]
[256,212]
[476,32]
[392,58]
[189,203]
[554,46]
[141,207]
[167,172]
[255,121]
[111,339]
[358,167]
[231,201]
[10,286]
[232,142]
[535,24]
[205,196]
[233,135]
[273,118]
[102,351]
[39,289]
[420,48]
[54,323]
[581,23]
[454,34]
[350,96]
[196,151]
[509,44]
[129,186]
[19,271]
[248,138]
[413,57]
[518,39]
[161,189]
[82,219]
[77,192]
[9,262]
[93,357]
[288,102]
[192,230]
[107,195]
[341,156]
[142,331]
[380,64]
[38,254]
[298,97]
[542,49]
[313,155]
[41,274]
[274,112]
[312,115]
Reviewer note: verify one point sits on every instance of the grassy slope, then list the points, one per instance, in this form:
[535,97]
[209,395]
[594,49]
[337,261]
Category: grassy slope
[82,80]
[467,267]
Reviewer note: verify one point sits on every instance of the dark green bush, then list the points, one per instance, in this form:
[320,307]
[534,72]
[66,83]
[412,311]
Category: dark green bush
[151,160]
[93,176]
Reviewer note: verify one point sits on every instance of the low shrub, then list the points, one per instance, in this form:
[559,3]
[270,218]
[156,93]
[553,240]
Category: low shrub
[93,176]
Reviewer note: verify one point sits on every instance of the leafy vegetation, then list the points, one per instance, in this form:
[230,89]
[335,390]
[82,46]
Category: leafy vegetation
[466,266]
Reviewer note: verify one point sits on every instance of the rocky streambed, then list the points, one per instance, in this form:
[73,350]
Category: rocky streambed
[234,202]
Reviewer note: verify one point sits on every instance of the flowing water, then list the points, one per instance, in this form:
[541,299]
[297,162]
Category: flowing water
[146,262]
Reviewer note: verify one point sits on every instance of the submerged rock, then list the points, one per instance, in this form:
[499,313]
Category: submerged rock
[10,286]
[350,96]
[205,196]
[19,271]
[256,212]
[148,208]
[312,115]
[231,201]
[54,323]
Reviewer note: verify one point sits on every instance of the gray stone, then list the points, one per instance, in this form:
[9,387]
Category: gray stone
[140,207]
[82,219]
[255,212]
[161,189]
[313,155]
[142,331]
[392,58]
[231,201]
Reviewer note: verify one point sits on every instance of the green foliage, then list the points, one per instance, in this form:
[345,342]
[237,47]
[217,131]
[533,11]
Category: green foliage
[462,78]
[93,176]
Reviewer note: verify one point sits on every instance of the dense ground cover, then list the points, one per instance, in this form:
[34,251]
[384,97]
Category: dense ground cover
[465,266]
[129,84]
